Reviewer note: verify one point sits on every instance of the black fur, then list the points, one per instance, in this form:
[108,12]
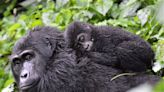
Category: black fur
[54,68]
[111,46]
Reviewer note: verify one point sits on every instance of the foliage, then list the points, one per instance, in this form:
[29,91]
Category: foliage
[18,16]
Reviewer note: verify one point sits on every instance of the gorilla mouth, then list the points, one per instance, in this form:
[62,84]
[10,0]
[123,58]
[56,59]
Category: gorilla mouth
[29,85]
[87,48]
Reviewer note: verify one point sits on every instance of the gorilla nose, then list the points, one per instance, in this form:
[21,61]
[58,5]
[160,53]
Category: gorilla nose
[24,75]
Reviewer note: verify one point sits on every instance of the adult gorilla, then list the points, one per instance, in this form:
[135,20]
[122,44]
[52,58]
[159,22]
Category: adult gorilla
[41,63]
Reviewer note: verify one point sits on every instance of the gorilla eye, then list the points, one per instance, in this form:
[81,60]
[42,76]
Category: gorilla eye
[81,38]
[28,56]
[16,61]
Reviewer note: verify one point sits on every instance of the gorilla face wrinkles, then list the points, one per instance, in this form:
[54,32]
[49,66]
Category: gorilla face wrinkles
[23,65]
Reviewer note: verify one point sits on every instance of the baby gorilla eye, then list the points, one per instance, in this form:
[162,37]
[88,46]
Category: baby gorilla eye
[81,38]
[92,39]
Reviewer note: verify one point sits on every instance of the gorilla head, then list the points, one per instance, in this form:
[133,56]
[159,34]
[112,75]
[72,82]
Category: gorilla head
[33,55]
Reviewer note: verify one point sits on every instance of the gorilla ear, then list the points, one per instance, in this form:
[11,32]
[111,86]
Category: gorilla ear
[53,45]
[49,46]
[60,45]
[49,43]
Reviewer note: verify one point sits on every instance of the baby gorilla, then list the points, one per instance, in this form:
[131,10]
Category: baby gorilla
[110,46]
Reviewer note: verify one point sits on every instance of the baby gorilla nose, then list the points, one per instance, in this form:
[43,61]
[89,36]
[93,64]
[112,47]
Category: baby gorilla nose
[87,45]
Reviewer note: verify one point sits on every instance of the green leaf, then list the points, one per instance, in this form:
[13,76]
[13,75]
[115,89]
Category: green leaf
[160,11]
[66,14]
[46,17]
[143,15]
[83,3]
[159,87]
[129,8]
[121,22]
[160,34]
[9,88]
[115,11]
[61,3]
[103,6]
[27,3]
[59,18]
[8,82]
[83,15]
[36,23]
[160,51]
[14,27]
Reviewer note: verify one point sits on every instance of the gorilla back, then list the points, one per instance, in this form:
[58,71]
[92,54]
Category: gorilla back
[40,62]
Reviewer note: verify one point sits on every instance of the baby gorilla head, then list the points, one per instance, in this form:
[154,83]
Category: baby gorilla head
[79,36]
[84,41]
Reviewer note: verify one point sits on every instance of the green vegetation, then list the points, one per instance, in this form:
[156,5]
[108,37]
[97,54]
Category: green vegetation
[141,17]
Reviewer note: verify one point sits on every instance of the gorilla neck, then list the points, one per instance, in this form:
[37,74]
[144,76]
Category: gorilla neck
[59,74]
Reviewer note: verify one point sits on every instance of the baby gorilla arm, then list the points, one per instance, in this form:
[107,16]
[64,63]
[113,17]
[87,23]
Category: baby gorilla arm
[135,54]
[103,58]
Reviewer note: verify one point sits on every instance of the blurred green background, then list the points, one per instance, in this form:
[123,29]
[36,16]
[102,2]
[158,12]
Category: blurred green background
[142,17]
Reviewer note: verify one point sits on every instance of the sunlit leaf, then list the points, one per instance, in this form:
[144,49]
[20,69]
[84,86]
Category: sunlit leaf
[160,51]
[129,7]
[83,16]
[61,3]
[103,6]
[9,88]
[46,17]
[36,23]
[83,3]
[160,11]
[27,3]
[144,14]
